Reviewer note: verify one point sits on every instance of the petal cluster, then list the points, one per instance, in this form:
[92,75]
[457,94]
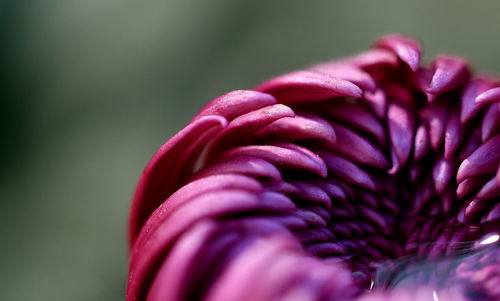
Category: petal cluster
[367,178]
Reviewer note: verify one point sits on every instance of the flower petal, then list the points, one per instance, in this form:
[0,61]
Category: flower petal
[236,103]
[491,95]
[280,155]
[245,165]
[401,130]
[453,133]
[366,153]
[307,86]
[442,173]
[484,160]
[348,72]
[491,122]
[242,126]
[408,50]
[301,127]
[469,106]
[364,121]
[346,170]
[490,190]
[449,73]
[155,184]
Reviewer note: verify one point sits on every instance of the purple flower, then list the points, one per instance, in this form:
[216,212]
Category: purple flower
[368,178]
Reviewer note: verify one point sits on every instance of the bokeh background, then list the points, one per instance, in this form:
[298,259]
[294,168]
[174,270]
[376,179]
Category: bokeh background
[92,87]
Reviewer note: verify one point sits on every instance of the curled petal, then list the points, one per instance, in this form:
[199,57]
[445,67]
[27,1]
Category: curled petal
[307,86]
[365,120]
[250,264]
[236,103]
[491,95]
[304,126]
[449,73]
[375,58]
[312,193]
[472,142]
[401,129]
[282,155]
[422,143]
[347,72]
[343,168]
[436,115]
[491,122]
[442,173]
[240,127]
[326,249]
[155,184]
[377,101]
[147,255]
[408,50]
[367,153]
[246,165]
[171,281]
[484,160]
[453,133]
[470,184]
[469,106]
[490,190]
[333,190]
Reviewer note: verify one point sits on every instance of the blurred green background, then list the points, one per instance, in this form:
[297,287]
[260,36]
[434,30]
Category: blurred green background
[92,87]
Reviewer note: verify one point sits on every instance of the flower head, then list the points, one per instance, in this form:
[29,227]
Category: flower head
[368,178]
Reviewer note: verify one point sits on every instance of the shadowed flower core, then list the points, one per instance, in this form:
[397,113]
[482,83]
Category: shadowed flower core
[367,178]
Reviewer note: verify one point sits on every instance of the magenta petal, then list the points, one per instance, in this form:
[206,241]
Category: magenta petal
[334,191]
[453,134]
[422,143]
[307,86]
[373,216]
[365,120]
[173,276]
[283,156]
[311,217]
[191,191]
[469,106]
[367,153]
[490,190]
[311,192]
[484,160]
[153,187]
[147,255]
[301,127]
[491,95]
[347,170]
[408,50]
[401,129]
[442,173]
[436,115]
[236,103]
[491,122]
[240,127]
[326,249]
[377,101]
[246,165]
[469,184]
[494,213]
[450,73]
[472,142]
[276,202]
[374,58]
[250,265]
[347,72]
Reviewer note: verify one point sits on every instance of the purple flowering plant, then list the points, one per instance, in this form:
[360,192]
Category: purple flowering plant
[367,178]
